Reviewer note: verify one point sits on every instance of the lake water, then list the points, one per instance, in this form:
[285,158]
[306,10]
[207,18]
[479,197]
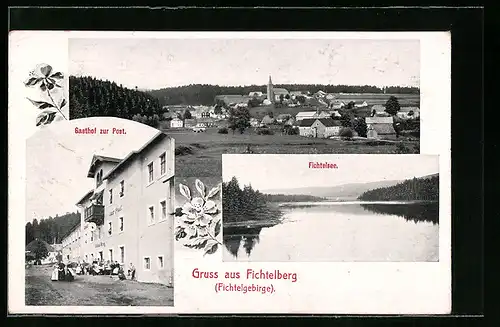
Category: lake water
[341,231]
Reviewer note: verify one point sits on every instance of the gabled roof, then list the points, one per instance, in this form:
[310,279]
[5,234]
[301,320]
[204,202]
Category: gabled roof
[379,120]
[158,136]
[307,122]
[328,122]
[96,159]
[278,90]
[85,197]
[306,114]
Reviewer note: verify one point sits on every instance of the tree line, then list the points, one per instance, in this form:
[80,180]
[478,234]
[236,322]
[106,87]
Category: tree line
[243,204]
[291,198]
[52,229]
[412,189]
[204,94]
[91,97]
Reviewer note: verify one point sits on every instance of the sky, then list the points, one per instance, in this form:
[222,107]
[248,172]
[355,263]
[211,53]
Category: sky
[158,63]
[58,160]
[267,172]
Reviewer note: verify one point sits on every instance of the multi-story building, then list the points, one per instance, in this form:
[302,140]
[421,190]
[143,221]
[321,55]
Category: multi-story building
[128,215]
[71,244]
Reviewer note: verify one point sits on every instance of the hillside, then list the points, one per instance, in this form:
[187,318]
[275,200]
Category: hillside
[426,189]
[203,94]
[345,191]
[52,229]
[91,97]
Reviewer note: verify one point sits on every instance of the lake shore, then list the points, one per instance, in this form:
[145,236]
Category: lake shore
[252,223]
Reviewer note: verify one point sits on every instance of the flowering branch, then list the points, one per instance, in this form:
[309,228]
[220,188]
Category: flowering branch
[199,221]
[43,77]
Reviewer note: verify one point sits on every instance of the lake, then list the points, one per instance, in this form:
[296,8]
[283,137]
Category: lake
[341,231]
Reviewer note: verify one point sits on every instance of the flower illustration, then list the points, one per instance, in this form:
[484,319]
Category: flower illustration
[198,220]
[44,76]
[46,80]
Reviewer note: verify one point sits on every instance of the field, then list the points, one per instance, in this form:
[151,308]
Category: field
[88,290]
[204,157]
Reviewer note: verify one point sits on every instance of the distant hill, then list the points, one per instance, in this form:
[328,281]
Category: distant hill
[51,230]
[345,191]
[425,188]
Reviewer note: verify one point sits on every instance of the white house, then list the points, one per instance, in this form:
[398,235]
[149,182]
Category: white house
[128,215]
[176,123]
[320,128]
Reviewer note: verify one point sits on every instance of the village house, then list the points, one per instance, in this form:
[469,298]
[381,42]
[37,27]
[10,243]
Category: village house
[176,123]
[128,215]
[268,120]
[336,104]
[255,94]
[320,128]
[189,123]
[379,109]
[409,112]
[283,117]
[206,122]
[254,122]
[289,122]
[312,114]
[380,127]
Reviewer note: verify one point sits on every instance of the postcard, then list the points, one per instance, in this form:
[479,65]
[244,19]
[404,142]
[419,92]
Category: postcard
[229,172]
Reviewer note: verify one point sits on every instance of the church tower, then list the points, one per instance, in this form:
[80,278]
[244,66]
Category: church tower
[270,93]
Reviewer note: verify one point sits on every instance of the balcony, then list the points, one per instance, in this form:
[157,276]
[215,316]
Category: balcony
[95,214]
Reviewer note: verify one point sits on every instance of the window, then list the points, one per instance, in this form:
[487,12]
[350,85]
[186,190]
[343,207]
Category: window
[147,263]
[150,172]
[111,196]
[110,228]
[163,206]
[121,224]
[110,254]
[162,164]
[100,256]
[122,188]
[160,262]
[151,211]
[91,236]
[99,177]
[122,254]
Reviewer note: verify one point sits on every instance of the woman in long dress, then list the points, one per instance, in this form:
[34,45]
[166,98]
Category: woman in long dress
[55,273]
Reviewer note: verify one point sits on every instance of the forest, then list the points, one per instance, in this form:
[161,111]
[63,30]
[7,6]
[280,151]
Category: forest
[292,198]
[424,189]
[245,204]
[204,94]
[91,97]
[52,229]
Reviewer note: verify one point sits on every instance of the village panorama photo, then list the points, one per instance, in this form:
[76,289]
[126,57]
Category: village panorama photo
[99,215]
[254,95]
[330,208]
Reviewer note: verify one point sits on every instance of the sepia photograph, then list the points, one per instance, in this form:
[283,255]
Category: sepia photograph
[254,95]
[99,224]
[324,208]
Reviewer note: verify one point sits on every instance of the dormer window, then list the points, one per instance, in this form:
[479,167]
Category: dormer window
[99,177]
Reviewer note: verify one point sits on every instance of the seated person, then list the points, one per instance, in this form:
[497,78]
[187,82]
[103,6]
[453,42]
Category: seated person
[121,274]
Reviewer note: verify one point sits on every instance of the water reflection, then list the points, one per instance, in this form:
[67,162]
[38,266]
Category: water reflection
[392,218]
[416,212]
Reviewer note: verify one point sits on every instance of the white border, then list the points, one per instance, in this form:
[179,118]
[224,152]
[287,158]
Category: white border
[435,84]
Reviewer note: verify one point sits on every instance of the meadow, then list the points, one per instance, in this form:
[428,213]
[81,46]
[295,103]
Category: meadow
[200,154]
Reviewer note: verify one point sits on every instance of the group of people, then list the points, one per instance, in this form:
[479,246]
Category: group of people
[62,272]
[66,272]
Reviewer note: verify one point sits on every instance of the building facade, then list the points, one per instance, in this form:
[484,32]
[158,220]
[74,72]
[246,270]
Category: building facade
[320,128]
[128,216]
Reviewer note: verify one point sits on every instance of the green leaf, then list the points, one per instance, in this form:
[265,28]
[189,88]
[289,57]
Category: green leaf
[200,187]
[211,247]
[57,75]
[32,81]
[185,191]
[41,119]
[213,192]
[41,104]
